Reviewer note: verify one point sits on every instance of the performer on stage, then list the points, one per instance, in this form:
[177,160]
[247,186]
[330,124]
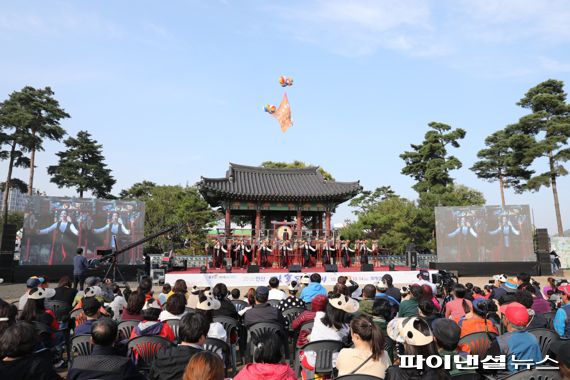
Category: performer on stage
[364,250]
[466,237]
[64,241]
[329,253]
[306,250]
[263,252]
[505,228]
[219,253]
[285,252]
[115,229]
[239,254]
[248,259]
[345,251]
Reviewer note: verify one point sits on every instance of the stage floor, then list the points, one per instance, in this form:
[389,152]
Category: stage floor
[240,277]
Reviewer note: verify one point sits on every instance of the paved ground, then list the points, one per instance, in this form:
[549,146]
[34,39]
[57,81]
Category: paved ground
[11,292]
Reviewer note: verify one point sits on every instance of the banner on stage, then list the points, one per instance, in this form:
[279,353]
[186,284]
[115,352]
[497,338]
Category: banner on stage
[55,227]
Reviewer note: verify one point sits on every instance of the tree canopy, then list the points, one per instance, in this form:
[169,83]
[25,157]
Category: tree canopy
[295,165]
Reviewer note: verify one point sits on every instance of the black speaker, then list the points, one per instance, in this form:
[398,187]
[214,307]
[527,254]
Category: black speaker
[413,260]
[545,269]
[253,269]
[8,237]
[295,268]
[543,257]
[367,268]
[331,268]
[6,259]
[203,269]
[391,267]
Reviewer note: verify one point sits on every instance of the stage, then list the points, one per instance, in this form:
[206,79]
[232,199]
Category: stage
[240,277]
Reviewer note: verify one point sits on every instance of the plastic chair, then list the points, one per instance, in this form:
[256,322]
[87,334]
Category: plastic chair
[125,328]
[545,339]
[239,305]
[534,374]
[325,350]
[258,329]
[80,346]
[479,343]
[231,326]
[291,314]
[549,318]
[358,377]
[274,303]
[60,309]
[175,326]
[145,348]
[221,348]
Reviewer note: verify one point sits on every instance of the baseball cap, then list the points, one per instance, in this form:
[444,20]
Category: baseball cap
[33,282]
[515,313]
[423,274]
[262,291]
[565,289]
[562,350]
[446,331]
[41,293]
[500,277]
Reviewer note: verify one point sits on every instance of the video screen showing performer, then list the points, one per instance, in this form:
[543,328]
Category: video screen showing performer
[484,234]
[55,227]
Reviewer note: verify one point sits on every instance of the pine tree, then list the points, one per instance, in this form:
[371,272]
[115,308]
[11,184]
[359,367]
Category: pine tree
[82,167]
[549,125]
[506,159]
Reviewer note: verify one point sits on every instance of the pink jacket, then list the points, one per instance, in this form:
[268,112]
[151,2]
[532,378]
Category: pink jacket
[262,371]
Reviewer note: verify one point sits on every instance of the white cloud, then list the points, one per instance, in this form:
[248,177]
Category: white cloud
[554,65]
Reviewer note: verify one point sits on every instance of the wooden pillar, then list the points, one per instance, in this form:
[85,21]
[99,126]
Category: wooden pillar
[320,223]
[327,224]
[299,223]
[314,224]
[257,224]
[228,223]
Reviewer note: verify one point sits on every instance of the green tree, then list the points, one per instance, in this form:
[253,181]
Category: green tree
[15,183]
[429,163]
[367,198]
[140,190]
[549,125]
[82,166]
[506,160]
[295,165]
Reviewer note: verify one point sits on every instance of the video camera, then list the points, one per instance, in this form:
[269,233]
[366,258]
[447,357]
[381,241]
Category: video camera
[444,279]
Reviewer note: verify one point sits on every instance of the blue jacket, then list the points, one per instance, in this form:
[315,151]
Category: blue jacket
[520,344]
[311,291]
[559,323]
[79,265]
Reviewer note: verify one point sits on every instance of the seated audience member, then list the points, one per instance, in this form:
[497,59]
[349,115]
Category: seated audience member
[150,325]
[368,296]
[204,365]
[292,300]
[478,320]
[447,335]
[381,289]
[145,287]
[227,308]
[118,304]
[477,293]
[539,304]
[382,313]
[193,297]
[329,325]
[427,294]
[313,289]
[235,293]
[551,286]
[267,361]
[498,289]
[417,338]
[8,314]
[409,304]
[457,308]
[262,311]
[516,342]
[537,320]
[368,356]
[36,312]
[562,316]
[423,279]
[319,303]
[181,287]
[174,308]
[91,308]
[428,311]
[206,307]
[103,362]
[274,292]
[351,286]
[31,283]
[163,296]
[18,358]
[135,304]
[170,363]
[250,299]
[391,290]
[561,349]
[64,292]
[339,289]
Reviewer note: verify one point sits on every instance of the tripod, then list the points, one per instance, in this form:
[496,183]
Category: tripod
[113,270]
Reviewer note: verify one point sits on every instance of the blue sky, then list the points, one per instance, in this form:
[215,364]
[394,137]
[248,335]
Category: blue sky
[174,90]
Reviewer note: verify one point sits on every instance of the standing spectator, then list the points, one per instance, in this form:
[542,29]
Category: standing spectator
[135,304]
[91,307]
[64,292]
[562,316]
[163,296]
[267,361]
[409,306]
[368,356]
[319,303]
[274,292]
[204,365]
[31,283]
[313,289]
[170,363]
[103,362]
[118,304]
[292,300]
[516,343]
[390,289]
[174,309]
[150,325]
[478,320]
[18,358]
[262,311]
[227,308]
[80,265]
[423,279]
[206,307]
[456,309]
[368,296]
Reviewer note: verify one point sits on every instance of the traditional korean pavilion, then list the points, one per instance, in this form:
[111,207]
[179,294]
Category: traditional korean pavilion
[274,195]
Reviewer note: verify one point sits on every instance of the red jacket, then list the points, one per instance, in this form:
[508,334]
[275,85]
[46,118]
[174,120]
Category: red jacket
[262,371]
